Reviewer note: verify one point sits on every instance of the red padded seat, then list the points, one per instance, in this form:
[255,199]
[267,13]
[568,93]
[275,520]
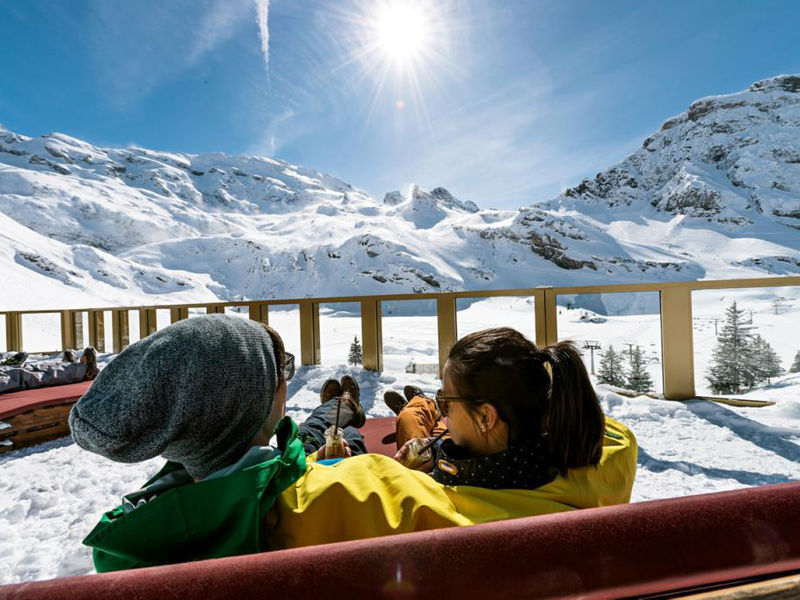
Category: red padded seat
[15,403]
[610,552]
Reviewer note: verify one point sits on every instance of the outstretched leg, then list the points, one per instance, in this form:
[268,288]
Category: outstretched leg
[312,430]
[419,418]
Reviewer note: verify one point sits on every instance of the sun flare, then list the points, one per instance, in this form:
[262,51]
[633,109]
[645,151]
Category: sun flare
[401,30]
[402,48]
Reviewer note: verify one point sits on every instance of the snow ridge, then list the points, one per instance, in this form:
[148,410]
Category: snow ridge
[714,193]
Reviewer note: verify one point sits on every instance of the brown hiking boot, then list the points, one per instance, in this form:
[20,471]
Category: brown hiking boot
[330,389]
[89,358]
[394,401]
[411,391]
[351,394]
[69,356]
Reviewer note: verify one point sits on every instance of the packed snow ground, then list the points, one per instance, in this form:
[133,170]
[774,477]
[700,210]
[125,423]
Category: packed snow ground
[53,494]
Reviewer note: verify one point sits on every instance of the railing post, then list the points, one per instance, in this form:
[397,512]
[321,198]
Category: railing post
[677,349]
[97,336]
[309,333]
[120,330]
[14,331]
[178,314]
[371,335]
[546,317]
[447,326]
[68,337]
[147,322]
[259,312]
[215,309]
[77,321]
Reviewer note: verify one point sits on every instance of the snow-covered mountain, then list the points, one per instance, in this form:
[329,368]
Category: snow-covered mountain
[714,193]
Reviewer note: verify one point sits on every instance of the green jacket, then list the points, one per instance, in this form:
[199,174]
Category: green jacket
[215,517]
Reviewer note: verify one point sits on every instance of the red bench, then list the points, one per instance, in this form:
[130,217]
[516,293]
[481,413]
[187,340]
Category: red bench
[620,551]
[37,415]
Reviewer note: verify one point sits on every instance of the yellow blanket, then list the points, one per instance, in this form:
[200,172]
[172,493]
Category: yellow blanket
[372,495]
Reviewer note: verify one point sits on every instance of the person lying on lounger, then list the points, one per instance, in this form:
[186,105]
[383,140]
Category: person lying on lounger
[517,415]
[207,394]
[17,373]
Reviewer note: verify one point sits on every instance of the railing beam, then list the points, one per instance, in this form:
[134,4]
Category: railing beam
[371,334]
[447,327]
[178,313]
[309,333]
[215,309]
[68,336]
[97,337]
[148,323]
[677,347]
[14,331]
[259,312]
[546,316]
[120,330]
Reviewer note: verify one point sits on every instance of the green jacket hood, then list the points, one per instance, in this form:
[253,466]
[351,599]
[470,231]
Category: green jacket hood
[212,518]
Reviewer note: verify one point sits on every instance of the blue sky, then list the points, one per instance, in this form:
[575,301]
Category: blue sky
[506,103]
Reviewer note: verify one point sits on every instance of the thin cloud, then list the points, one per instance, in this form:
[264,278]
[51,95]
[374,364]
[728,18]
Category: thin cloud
[262,19]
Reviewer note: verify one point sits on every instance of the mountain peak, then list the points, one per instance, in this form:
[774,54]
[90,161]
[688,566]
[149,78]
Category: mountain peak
[784,83]
[732,159]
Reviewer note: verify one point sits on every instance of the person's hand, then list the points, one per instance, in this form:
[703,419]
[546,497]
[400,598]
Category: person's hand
[347,451]
[402,456]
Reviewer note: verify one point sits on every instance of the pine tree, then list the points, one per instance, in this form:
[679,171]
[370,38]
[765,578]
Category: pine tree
[766,361]
[355,357]
[639,379]
[732,364]
[611,368]
[795,368]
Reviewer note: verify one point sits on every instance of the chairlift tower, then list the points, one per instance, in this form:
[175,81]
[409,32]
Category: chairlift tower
[630,346]
[591,346]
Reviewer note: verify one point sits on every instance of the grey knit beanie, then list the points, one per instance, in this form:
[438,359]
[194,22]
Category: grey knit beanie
[196,393]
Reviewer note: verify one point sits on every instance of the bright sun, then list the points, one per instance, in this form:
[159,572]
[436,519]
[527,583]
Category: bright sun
[401,30]
[402,46]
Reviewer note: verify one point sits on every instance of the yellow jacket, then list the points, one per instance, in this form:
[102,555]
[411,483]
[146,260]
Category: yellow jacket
[372,495]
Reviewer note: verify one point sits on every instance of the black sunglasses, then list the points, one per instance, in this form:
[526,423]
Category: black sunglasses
[443,402]
[288,366]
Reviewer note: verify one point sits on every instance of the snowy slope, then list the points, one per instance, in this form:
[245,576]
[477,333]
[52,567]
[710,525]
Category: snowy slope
[715,193]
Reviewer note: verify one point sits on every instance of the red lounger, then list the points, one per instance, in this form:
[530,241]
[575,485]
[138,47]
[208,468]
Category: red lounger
[14,403]
[627,550]
[37,415]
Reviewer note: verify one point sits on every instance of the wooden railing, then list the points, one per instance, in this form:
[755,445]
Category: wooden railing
[675,302]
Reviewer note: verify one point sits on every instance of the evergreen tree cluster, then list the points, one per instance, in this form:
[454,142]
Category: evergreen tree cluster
[795,368]
[741,358]
[355,357]
[613,372]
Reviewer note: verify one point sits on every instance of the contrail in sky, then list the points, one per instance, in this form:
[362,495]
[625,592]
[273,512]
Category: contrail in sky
[262,18]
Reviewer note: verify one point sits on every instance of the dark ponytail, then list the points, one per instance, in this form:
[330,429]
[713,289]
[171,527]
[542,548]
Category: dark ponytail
[574,422]
[536,392]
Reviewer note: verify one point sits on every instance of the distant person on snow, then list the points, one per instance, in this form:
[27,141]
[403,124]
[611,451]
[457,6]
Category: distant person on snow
[16,373]
[207,394]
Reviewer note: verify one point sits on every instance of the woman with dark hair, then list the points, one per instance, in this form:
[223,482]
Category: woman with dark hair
[517,415]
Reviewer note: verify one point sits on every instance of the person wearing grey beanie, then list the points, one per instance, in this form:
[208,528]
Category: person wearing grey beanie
[200,393]
[207,394]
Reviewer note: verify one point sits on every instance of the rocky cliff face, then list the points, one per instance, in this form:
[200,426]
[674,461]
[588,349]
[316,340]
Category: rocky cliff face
[714,193]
